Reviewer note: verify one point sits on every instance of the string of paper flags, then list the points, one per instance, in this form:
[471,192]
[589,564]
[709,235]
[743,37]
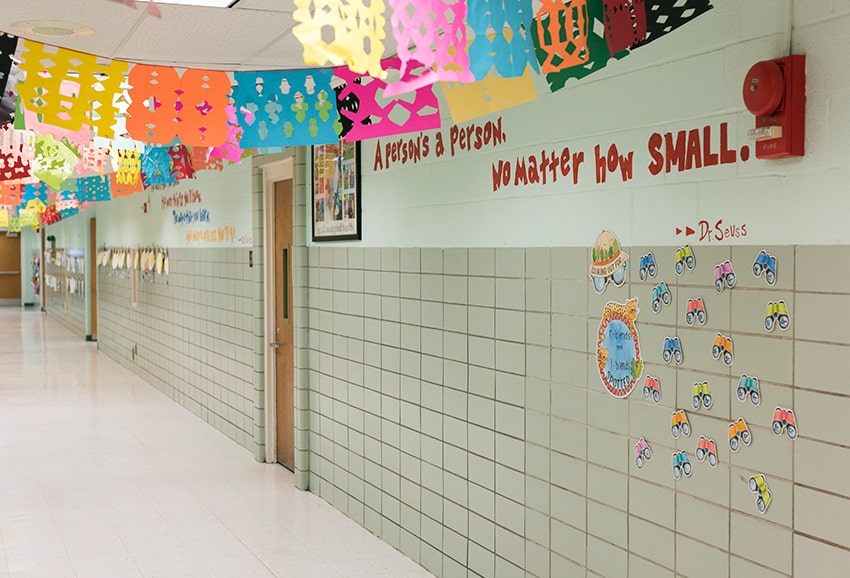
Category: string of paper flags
[81,128]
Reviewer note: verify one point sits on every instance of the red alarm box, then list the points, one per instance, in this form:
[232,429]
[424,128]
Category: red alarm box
[775,92]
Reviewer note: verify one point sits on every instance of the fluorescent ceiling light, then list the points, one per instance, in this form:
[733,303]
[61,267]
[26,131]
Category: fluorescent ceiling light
[209,3]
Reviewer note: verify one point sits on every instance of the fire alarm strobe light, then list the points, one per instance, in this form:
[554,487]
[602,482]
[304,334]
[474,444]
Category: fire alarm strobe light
[775,92]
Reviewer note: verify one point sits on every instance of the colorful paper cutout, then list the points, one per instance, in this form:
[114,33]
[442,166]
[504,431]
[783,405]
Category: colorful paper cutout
[501,38]
[181,162]
[758,486]
[777,316]
[164,106]
[17,148]
[471,100]
[54,161]
[8,46]
[739,433]
[749,386]
[702,395]
[4,218]
[50,215]
[679,424]
[366,113]
[664,16]
[724,276]
[68,213]
[618,348]
[707,449]
[202,159]
[14,225]
[660,296]
[765,263]
[93,189]
[30,219]
[231,150]
[290,108]
[10,193]
[569,40]
[652,387]
[783,419]
[684,258]
[723,349]
[642,453]
[70,89]
[625,23]
[672,350]
[356,25]
[442,27]
[648,268]
[609,262]
[129,167]
[157,167]
[124,189]
[695,311]
[681,464]
[94,159]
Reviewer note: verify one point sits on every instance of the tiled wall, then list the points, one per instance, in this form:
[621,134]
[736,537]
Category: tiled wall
[457,412]
[191,334]
[68,309]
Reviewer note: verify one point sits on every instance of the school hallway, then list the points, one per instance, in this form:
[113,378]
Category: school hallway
[103,475]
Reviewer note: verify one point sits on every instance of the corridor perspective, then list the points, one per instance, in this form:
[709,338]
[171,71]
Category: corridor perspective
[103,475]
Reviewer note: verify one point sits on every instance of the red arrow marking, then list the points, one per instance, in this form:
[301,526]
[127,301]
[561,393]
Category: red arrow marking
[689,231]
[678,231]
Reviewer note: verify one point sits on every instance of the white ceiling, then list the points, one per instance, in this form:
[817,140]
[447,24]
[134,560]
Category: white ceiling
[251,35]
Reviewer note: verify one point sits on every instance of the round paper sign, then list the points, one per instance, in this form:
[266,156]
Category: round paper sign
[618,348]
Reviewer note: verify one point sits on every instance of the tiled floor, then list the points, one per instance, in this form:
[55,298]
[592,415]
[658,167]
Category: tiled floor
[102,475]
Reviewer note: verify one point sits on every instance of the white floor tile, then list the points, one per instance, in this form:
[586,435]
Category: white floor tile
[106,476]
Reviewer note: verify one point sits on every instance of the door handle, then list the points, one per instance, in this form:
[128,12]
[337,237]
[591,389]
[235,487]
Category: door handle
[274,344]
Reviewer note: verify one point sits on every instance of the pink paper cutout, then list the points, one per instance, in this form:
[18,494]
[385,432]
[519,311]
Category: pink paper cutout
[371,119]
[441,26]
[230,150]
[94,158]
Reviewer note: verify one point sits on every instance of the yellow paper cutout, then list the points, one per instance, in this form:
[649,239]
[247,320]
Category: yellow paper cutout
[69,89]
[28,218]
[4,218]
[14,225]
[471,100]
[36,206]
[353,23]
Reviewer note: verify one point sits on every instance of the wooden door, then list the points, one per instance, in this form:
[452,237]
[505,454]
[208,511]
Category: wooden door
[93,278]
[10,269]
[282,342]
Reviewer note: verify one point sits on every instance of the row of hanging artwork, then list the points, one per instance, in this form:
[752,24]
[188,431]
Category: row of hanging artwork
[87,128]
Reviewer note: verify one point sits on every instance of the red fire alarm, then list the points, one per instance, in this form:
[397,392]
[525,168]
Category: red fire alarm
[775,92]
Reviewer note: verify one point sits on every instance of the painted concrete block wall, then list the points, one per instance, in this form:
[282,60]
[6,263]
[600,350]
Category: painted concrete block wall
[456,411]
[191,334]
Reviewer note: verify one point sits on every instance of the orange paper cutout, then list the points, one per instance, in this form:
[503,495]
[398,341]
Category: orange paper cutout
[123,190]
[164,106]
[562,30]
[70,89]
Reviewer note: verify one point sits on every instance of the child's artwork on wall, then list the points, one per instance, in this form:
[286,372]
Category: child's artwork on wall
[748,386]
[724,276]
[765,263]
[643,453]
[685,258]
[652,387]
[609,262]
[723,349]
[707,450]
[696,311]
[618,348]
[784,420]
[777,316]
[758,486]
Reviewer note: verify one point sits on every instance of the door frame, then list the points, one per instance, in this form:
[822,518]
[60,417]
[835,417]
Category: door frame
[278,171]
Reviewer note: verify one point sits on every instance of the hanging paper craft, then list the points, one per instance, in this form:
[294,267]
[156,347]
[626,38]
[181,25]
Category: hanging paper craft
[356,25]
[569,40]
[29,219]
[765,263]
[609,262]
[54,161]
[70,89]
[365,112]
[706,448]
[164,106]
[67,213]
[124,190]
[618,348]
[202,159]
[93,189]
[231,150]
[758,486]
[10,194]
[181,162]
[625,23]
[17,148]
[501,29]
[94,159]
[14,225]
[664,16]
[156,167]
[8,46]
[4,218]
[783,419]
[129,167]
[36,191]
[423,25]
[69,203]
[642,453]
[286,108]
[467,101]
[50,215]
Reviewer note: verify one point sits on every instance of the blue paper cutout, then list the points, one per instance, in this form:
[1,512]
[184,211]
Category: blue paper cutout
[68,213]
[156,167]
[93,189]
[509,57]
[286,108]
[35,191]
